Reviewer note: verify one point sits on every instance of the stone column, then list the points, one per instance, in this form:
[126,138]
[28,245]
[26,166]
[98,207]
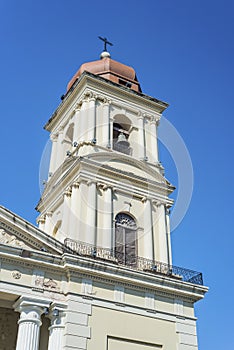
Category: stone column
[66,213]
[48,228]
[75,211]
[57,327]
[148,230]
[141,137]
[154,140]
[107,218]
[91,213]
[54,151]
[29,323]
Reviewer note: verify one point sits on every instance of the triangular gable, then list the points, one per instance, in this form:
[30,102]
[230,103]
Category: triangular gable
[17,232]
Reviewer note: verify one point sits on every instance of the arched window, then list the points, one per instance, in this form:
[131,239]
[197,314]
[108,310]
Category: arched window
[125,239]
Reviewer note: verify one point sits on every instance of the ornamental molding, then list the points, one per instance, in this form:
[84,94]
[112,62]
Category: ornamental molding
[12,240]
[91,81]
[16,274]
[86,167]
[75,266]
[130,278]
[131,285]
[30,236]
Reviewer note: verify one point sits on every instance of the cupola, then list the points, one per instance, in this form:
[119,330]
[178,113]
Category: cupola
[109,69]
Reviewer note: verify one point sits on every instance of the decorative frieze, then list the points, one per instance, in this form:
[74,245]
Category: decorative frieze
[8,239]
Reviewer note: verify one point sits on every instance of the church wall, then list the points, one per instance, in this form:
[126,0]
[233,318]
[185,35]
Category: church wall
[106,323]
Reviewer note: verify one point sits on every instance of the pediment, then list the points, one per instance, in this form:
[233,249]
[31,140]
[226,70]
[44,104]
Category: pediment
[19,233]
[11,240]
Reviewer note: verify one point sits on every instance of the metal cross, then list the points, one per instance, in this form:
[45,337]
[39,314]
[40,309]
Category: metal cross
[105,42]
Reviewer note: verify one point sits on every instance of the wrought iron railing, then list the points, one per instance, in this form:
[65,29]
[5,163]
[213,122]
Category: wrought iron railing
[134,262]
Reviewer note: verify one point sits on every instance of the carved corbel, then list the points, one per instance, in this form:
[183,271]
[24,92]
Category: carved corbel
[89,182]
[54,137]
[67,193]
[157,203]
[75,184]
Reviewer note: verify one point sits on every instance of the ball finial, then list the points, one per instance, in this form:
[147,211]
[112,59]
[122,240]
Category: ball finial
[105,54]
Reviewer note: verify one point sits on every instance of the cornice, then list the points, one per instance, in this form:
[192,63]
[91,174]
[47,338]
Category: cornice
[107,87]
[87,166]
[103,271]
[111,273]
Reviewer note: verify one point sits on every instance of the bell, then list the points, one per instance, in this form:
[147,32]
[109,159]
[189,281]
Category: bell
[122,140]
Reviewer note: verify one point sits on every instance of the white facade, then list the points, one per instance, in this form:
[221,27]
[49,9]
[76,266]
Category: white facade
[98,273]
[91,180]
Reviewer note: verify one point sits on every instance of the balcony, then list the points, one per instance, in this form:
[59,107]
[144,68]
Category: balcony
[134,262]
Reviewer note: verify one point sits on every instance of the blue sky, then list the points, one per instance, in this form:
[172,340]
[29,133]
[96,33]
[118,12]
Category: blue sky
[183,53]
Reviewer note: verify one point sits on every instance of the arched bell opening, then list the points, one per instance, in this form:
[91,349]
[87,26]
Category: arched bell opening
[121,127]
[125,239]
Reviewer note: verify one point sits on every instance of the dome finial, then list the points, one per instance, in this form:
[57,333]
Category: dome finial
[105,53]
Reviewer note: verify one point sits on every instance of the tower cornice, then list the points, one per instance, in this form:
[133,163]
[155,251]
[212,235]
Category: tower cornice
[93,81]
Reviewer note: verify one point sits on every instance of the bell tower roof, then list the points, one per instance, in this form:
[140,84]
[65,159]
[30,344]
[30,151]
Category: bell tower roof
[111,70]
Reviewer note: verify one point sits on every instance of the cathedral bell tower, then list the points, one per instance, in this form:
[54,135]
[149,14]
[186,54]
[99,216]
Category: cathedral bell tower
[106,187]
[97,274]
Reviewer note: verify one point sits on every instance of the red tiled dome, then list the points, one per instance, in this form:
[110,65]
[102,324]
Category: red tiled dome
[109,69]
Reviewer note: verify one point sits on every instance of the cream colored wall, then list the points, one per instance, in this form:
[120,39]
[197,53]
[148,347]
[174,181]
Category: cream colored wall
[188,309]
[113,323]
[135,298]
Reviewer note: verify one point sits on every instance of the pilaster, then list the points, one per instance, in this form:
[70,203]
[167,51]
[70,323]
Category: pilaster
[56,330]
[154,140]
[66,212]
[48,227]
[75,211]
[106,127]
[148,227]
[141,137]
[91,213]
[107,218]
